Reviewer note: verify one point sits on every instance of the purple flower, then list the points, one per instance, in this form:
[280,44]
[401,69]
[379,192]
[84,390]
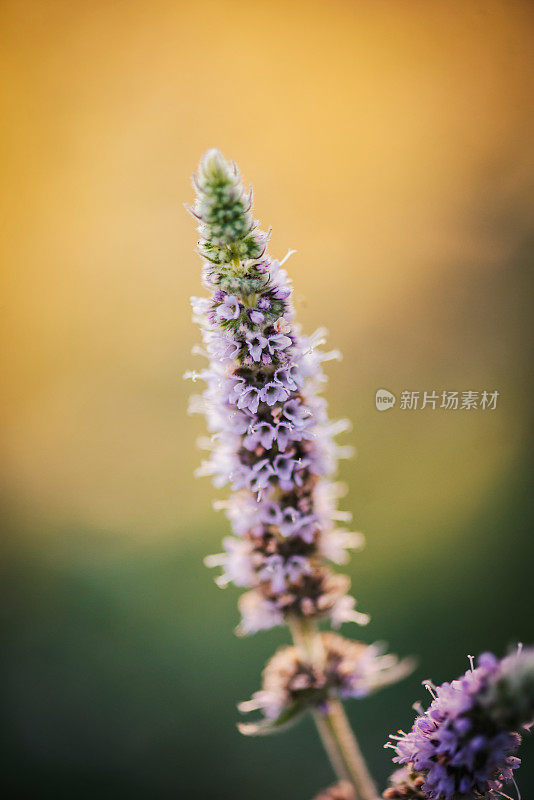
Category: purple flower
[290,521]
[286,377]
[256,343]
[270,513]
[261,433]
[273,393]
[229,308]
[456,746]
[221,347]
[282,292]
[256,317]
[306,528]
[277,341]
[261,474]
[249,398]
[285,432]
[279,571]
[293,411]
[283,467]
[302,467]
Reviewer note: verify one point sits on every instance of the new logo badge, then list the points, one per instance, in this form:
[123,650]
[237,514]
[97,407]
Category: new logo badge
[384,400]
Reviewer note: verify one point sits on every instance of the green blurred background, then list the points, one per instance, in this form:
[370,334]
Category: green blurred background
[390,143]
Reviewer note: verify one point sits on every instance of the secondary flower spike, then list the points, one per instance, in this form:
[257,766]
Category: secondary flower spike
[344,669]
[464,745]
[270,437]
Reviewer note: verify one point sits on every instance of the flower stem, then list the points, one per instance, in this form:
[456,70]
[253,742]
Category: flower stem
[331,745]
[333,726]
[359,774]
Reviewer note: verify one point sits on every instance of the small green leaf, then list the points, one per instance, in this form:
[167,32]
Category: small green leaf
[284,720]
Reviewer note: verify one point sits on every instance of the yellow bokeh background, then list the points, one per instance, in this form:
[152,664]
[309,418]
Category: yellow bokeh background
[390,143]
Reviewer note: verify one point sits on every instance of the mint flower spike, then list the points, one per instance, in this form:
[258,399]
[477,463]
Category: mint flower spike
[463,746]
[345,669]
[271,439]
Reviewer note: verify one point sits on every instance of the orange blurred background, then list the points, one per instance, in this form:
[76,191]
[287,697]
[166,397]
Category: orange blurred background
[389,143]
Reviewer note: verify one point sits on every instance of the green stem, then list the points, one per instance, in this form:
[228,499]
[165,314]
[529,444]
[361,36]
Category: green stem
[331,745]
[359,774]
[333,726]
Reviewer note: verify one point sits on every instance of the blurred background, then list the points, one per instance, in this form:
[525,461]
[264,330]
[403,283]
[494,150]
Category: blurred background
[390,143]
